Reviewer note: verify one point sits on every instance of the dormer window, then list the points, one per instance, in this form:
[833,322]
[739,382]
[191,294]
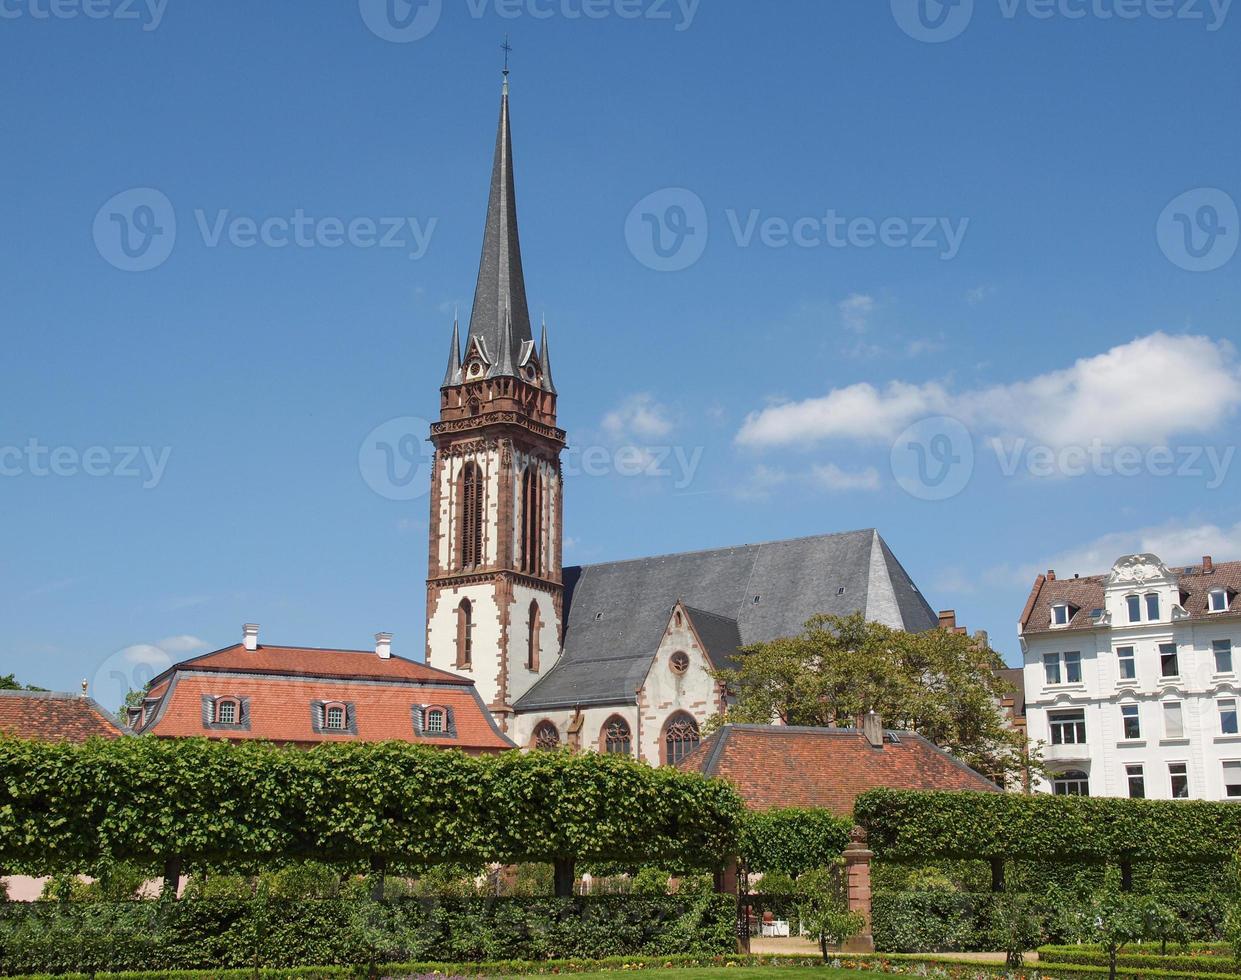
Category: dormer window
[1218,601]
[1133,605]
[334,717]
[435,721]
[1060,614]
[226,711]
[1152,606]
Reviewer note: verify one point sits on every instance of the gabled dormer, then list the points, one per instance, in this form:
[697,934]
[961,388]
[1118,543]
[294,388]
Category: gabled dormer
[1142,590]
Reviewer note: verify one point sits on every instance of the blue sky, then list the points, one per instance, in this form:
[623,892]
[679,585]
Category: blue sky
[885,240]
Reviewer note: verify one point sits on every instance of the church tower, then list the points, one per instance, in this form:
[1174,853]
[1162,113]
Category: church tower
[494,587]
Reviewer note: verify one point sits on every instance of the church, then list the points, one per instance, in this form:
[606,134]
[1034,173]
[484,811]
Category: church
[615,657]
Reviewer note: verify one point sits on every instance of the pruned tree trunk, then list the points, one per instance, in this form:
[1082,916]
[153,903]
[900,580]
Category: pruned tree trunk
[564,876]
[997,874]
[378,867]
[172,878]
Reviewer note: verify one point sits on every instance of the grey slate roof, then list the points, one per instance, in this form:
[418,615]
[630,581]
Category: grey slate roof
[501,318]
[719,634]
[615,614]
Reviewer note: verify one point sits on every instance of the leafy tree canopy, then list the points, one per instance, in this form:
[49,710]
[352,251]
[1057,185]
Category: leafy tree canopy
[9,682]
[940,684]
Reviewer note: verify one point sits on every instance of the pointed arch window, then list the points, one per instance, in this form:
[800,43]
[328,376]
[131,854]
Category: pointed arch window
[681,737]
[546,736]
[534,628]
[531,521]
[465,634]
[617,739]
[470,492]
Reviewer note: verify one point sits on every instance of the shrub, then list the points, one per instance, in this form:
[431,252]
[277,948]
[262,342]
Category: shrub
[98,936]
[931,922]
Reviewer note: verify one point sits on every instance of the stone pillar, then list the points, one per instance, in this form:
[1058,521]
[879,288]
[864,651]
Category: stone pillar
[857,883]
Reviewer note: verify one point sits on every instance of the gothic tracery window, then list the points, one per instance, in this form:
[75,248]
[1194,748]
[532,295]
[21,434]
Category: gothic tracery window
[681,737]
[616,736]
[531,521]
[471,495]
[546,736]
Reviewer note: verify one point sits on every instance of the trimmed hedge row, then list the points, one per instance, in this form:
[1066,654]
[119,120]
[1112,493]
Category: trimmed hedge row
[961,922]
[1093,956]
[96,936]
[404,805]
[916,825]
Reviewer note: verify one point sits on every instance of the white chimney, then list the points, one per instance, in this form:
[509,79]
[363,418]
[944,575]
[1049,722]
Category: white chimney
[872,729]
[383,645]
[250,636]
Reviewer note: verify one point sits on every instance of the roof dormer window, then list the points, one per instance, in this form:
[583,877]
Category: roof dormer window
[226,712]
[1060,614]
[1152,606]
[1218,601]
[1133,605]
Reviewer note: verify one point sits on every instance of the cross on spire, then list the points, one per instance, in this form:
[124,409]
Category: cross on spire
[507,49]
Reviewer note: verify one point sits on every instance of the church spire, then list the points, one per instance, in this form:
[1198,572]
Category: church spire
[453,375]
[546,357]
[500,296]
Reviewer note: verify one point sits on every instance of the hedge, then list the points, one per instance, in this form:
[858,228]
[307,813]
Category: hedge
[1209,962]
[792,839]
[916,825]
[54,937]
[142,799]
[961,922]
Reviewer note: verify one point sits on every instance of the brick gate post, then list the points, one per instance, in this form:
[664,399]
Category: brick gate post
[857,883]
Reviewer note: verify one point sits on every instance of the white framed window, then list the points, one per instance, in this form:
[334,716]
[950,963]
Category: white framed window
[1126,664]
[1073,667]
[1060,614]
[1131,723]
[1152,606]
[1074,782]
[1178,776]
[1133,605]
[1218,601]
[1068,727]
[1137,781]
[1227,716]
[1232,779]
[1173,720]
[334,718]
[1221,650]
[435,720]
[1051,667]
[1169,663]
[226,712]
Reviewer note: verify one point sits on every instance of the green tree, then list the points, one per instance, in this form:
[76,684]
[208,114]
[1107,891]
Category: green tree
[823,907]
[9,682]
[941,684]
[1103,914]
[1016,925]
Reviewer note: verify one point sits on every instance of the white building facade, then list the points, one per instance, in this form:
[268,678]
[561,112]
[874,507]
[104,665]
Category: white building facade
[1131,680]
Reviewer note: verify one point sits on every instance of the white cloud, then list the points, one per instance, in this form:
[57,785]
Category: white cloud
[145,654]
[1139,393]
[181,644]
[855,311]
[832,477]
[639,416]
[1177,543]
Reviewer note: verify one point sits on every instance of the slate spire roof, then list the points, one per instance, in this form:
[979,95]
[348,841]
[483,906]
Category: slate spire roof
[501,317]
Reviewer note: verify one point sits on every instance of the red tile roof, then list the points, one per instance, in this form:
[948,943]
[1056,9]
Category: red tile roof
[281,684]
[777,765]
[1086,594]
[52,717]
